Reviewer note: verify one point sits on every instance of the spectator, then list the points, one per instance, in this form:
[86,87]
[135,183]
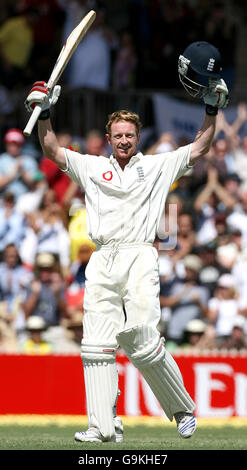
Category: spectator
[73,334]
[184,189]
[95,143]
[90,65]
[186,235]
[200,169]
[239,270]
[8,339]
[226,256]
[30,201]
[14,278]
[237,240]
[210,200]
[237,141]
[220,28]
[16,43]
[186,298]
[237,339]
[78,231]
[222,233]
[211,269]
[75,288]
[47,232]
[224,307]
[7,107]
[232,184]
[220,154]
[193,333]
[78,267]
[46,295]
[237,220]
[50,20]
[124,72]
[223,158]
[74,10]
[17,170]
[57,179]
[240,156]
[74,297]
[12,223]
[165,143]
[35,344]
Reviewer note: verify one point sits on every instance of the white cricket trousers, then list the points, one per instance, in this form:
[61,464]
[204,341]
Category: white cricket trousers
[122,285]
[122,307]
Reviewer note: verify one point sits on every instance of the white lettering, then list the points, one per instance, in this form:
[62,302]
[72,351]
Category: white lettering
[205,384]
[151,401]
[241,394]
[89,460]
[131,391]
[134,383]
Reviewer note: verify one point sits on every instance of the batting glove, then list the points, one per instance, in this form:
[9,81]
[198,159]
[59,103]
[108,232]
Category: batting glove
[217,96]
[40,95]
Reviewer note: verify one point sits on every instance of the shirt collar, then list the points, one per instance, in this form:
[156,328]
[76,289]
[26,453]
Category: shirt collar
[132,161]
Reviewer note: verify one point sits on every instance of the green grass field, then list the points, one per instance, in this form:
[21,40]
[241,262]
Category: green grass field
[56,433]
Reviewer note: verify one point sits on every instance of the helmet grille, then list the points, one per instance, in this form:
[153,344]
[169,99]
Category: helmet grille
[193,88]
[189,78]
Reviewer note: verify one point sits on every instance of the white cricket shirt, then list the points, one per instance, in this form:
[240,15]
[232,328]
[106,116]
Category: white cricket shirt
[126,206]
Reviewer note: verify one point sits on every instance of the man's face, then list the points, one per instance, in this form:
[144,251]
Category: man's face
[123,140]
[95,145]
[13,149]
[11,256]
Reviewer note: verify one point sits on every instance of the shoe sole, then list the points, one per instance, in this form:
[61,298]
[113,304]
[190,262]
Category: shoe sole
[118,439]
[87,439]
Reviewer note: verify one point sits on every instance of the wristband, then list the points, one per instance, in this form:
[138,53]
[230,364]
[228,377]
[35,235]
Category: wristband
[44,115]
[211,110]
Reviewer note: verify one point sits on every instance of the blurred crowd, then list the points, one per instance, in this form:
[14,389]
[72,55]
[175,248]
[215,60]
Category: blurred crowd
[203,275]
[132,43]
[44,248]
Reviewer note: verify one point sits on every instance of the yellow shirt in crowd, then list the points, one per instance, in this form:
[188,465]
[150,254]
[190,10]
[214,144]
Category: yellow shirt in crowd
[16,41]
[30,347]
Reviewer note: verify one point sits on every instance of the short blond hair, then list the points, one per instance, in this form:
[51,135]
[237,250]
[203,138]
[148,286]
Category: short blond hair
[124,115]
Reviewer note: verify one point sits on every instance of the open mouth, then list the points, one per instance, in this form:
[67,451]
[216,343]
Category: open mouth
[124,149]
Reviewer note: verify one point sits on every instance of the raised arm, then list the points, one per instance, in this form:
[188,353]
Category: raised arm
[48,141]
[204,138]
[216,97]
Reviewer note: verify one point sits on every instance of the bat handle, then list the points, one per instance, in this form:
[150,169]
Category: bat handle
[32,120]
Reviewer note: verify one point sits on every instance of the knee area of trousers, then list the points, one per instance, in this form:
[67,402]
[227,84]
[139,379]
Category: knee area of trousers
[98,353]
[142,345]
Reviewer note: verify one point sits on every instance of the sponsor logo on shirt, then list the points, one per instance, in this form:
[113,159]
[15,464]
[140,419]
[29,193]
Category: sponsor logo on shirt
[107,176]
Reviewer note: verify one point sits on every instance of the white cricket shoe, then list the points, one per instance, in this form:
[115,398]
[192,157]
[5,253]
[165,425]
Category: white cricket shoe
[118,429]
[94,435]
[186,423]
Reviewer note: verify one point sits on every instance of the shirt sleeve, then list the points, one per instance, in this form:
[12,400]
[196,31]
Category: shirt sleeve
[180,159]
[173,164]
[76,167]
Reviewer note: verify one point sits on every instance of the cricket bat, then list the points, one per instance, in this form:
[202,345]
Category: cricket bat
[68,49]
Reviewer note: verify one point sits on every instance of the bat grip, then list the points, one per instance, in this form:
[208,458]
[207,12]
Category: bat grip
[32,120]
